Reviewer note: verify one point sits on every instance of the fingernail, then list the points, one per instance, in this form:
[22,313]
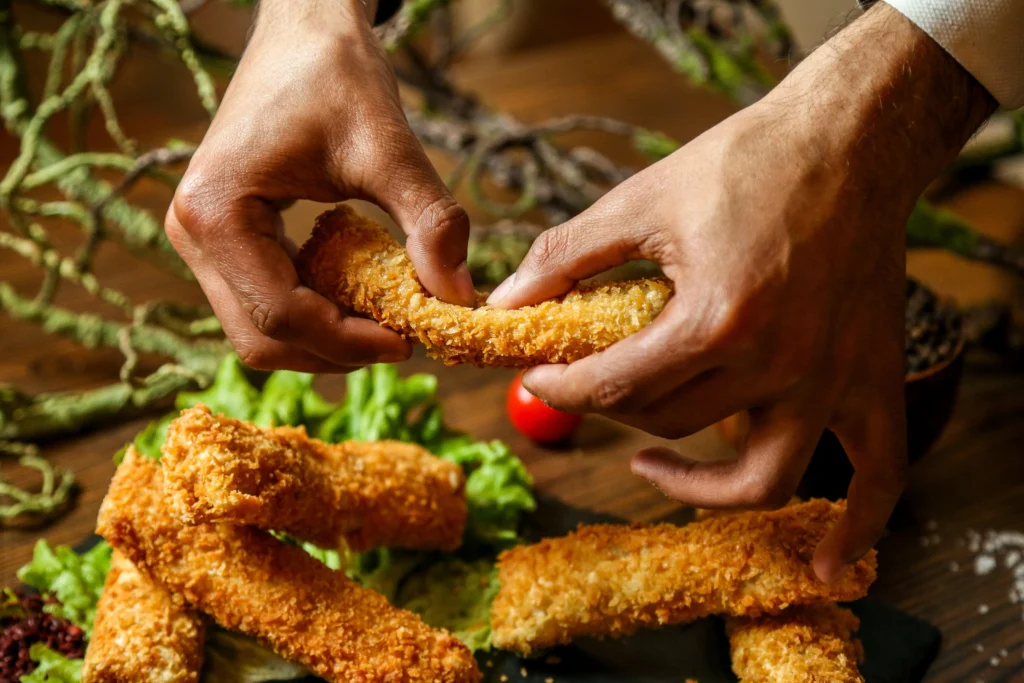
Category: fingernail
[502,290]
[830,574]
[464,284]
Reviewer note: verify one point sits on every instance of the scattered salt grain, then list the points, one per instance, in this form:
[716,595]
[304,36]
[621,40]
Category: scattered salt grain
[984,564]
[978,647]
[1003,653]
[1011,559]
[994,661]
[982,609]
[954,566]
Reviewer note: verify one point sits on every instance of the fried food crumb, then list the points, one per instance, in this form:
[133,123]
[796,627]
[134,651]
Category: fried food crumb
[611,580]
[248,581]
[141,633]
[354,262]
[801,645]
[360,495]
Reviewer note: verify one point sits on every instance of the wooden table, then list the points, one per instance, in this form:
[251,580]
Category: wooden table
[974,478]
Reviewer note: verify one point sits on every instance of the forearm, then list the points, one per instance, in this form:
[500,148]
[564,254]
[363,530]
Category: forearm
[885,99]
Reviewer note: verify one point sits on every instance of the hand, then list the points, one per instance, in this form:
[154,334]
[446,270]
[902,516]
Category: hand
[312,113]
[783,231]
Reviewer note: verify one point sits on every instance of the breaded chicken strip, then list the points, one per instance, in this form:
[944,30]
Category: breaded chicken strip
[355,262]
[611,580]
[248,581]
[813,644]
[366,495]
[141,634]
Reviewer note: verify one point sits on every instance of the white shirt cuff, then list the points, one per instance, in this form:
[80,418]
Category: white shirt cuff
[985,36]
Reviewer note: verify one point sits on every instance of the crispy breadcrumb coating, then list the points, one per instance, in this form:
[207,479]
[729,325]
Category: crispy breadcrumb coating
[611,580]
[250,582]
[355,262]
[366,495]
[812,644]
[141,634]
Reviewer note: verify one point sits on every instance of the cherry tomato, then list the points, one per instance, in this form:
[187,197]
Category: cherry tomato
[536,421]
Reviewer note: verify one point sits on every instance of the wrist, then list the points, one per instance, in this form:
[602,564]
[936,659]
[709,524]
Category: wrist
[886,102]
[321,16]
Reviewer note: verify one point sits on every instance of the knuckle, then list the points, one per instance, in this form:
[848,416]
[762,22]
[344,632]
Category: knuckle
[614,395]
[192,203]
[553,246]
[270,321]
[255,357]
[443,220]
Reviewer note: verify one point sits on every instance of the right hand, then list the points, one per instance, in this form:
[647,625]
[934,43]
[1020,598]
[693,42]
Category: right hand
[312,112]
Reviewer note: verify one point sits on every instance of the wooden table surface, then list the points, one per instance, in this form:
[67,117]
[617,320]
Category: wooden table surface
[973,479]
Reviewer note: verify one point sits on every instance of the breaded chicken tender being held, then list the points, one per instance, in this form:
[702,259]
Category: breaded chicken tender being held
[611,580]
[354,262]
[141,634]
[801,645]
[362,495]
[250,582]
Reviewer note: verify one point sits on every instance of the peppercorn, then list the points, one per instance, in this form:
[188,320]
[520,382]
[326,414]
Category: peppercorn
[933,328]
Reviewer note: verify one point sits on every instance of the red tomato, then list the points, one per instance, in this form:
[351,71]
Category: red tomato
[536,421]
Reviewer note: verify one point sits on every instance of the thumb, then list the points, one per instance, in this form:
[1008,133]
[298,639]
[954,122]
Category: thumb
[404,183]
[606,235]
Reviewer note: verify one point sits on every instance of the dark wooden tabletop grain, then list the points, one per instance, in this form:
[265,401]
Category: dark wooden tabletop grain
[972,480]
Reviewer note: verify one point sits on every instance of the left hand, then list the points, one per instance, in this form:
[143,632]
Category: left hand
[783,231]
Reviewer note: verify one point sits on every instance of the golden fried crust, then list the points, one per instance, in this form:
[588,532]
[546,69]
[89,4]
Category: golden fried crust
[357,264]
[366,495]
[141,634]
[610,580]
[802,645]
[250,582]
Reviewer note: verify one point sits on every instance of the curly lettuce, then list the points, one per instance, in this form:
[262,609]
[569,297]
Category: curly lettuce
[76,580]
[53,667]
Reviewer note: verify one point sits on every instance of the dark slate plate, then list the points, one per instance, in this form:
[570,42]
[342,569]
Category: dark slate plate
[898,648]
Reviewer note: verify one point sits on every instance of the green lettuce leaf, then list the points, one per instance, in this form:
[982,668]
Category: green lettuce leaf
[75,580]
[456,595]
[151,439]
[53,667]
[231,393]
[498,489]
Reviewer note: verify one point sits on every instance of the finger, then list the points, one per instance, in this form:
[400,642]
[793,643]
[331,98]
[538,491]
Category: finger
[254,349]
[602,237]
[404,183]
[632,373]
[877,447]
[255,291]
[707,399]
[766,474]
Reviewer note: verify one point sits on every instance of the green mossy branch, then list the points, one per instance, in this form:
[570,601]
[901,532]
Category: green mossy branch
[722,52]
